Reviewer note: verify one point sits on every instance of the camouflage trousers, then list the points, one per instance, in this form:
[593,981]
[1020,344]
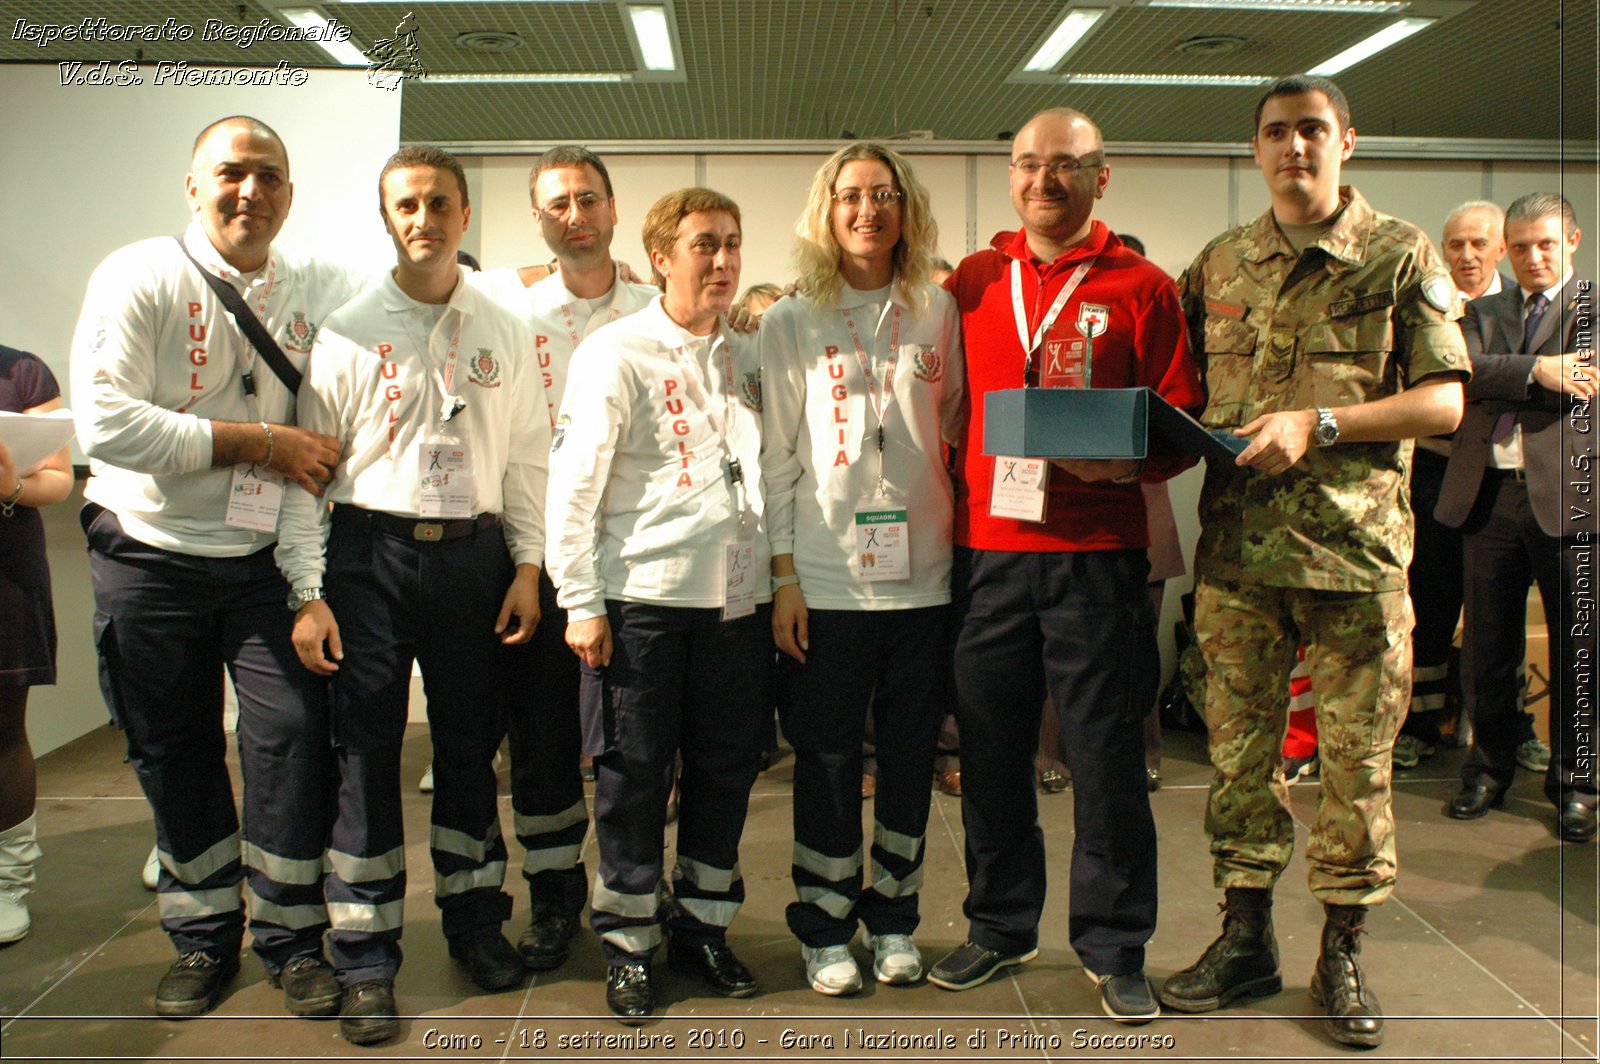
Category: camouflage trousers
[1358,649]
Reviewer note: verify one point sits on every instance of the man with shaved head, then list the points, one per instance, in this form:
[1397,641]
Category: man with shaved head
[1049,583]
[188,422]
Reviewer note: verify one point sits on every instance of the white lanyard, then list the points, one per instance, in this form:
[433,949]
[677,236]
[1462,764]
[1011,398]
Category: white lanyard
[698,393]
[1031,341]
[248,354]
[881,398]
[449,404]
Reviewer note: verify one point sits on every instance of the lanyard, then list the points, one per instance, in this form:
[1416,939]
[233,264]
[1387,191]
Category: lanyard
[881,398]
[449,403]
[1031,341]
[248,358]
[720,425]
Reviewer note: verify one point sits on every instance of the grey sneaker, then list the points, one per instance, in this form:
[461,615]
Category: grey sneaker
[1126,998]
[1534,755]
[831,969]
[1296,769]
[895,958]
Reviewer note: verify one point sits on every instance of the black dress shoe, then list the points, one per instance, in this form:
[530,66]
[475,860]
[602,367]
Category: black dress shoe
[1578,822]
[1474,801]
[546,942]
[489,959]
[628,992]
[714,963]
[367,1014]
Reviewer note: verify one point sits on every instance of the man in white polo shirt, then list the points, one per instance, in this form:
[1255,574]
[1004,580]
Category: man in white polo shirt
[433,551]
[189,428]
[577,213]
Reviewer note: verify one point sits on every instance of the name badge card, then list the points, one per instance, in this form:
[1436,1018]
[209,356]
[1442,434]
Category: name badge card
[254,499]
[739,577]
[1021,486]
[444,469]
[883,545]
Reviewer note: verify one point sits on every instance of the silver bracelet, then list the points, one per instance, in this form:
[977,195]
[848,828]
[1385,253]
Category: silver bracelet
[8,506]
[267,462]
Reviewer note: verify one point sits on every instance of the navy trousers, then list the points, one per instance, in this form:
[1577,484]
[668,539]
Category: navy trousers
[1076,626]
[893,662]
[398,600]
[683,682]
[546,742]
[166,627]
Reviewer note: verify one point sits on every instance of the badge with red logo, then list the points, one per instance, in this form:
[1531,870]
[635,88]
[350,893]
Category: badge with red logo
[1092,318]
[751,392]
[483,370]
[300,334]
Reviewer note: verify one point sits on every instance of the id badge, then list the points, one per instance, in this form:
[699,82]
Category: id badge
[444,469]
[883,544]
[254,499]
[739,577]
[1021,487]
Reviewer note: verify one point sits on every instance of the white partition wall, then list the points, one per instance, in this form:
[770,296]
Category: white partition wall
[88,169]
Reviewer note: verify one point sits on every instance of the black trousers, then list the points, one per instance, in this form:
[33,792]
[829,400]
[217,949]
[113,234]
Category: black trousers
[1504,548]
[398,600]
[681,681]
[547,801]
[166,626]
[1435,584]
[1071,625]
[894,662]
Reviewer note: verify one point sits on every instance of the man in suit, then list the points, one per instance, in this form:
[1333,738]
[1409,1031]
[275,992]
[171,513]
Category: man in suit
[1473,244]
[1520,487]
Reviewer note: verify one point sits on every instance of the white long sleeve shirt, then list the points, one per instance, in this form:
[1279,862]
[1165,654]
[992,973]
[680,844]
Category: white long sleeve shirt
[559,319]
[820,462]
[641,504]
[375,383]
[156,358]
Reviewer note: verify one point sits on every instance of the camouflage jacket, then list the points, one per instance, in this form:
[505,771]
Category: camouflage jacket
[1356,317]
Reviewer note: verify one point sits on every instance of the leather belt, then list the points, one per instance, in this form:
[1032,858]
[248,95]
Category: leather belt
[1506,472]
[417,528]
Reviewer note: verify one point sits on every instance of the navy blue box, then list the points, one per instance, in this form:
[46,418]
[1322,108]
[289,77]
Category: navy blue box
[1096,423]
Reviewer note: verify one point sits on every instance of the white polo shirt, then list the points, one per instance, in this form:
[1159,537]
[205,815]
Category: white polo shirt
[376,383]
[820,463]
[641,505]
[560,320]
[156,358]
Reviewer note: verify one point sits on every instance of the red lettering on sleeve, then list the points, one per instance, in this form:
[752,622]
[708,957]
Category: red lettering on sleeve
[384,349]
[195,309]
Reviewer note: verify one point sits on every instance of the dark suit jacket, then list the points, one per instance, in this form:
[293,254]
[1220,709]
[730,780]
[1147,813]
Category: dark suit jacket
[1555,435]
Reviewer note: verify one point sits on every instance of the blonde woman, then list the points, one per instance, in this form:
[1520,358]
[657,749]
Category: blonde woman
[861,387]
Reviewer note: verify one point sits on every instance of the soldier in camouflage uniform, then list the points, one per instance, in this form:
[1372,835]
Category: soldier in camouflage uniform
[1329,342]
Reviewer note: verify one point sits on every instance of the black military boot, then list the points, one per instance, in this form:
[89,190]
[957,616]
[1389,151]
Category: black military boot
[1354,1018]
[1242,962]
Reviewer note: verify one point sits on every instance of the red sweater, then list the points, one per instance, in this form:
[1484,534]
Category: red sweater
[1145,344]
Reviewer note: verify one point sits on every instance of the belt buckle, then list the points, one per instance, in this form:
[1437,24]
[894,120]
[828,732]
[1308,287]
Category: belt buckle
[428,531]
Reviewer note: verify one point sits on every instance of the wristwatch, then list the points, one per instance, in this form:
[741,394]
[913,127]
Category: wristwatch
[301,596]
[1327,430]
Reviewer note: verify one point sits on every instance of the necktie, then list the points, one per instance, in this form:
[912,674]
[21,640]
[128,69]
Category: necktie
[1530,325]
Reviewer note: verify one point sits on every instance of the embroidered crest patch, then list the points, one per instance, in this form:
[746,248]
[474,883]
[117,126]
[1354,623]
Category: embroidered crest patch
[483,369]
[750,391]
[927,364]
[559,433]
[300,334]
[1092,319]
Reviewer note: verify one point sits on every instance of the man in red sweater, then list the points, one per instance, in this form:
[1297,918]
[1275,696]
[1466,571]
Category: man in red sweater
[1049,578]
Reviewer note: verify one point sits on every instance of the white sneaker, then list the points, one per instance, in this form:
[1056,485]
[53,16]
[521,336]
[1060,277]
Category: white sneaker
[150,876]
[831,969]
[895,959]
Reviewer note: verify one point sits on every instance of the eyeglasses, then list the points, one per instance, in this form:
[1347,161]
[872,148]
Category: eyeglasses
[1058,169]
[561,206]
[882,198]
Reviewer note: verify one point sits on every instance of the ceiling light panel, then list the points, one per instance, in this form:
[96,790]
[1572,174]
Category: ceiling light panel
[1068,34]
[1337,7]
[1385,38]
